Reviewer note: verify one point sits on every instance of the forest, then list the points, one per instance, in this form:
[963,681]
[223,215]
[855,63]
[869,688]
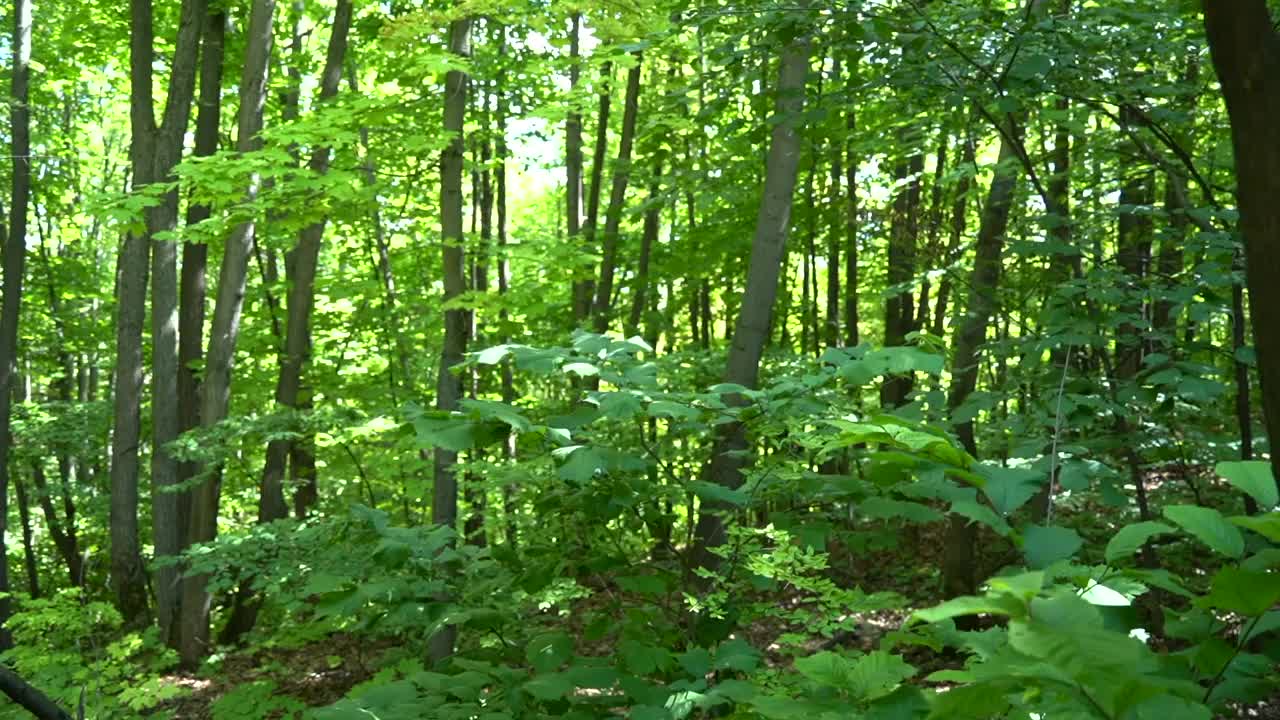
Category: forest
[766,359]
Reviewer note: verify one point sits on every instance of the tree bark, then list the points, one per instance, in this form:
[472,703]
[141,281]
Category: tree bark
[193,281]
[24,694]
[649,236]
[444,507]
[603,307]
[225,329]
[583,309]
[1245,47]
[301,300]
[898,307]
[767,251]
[970,334]
[15,258]
[156,151]
[573,162]
[851,334]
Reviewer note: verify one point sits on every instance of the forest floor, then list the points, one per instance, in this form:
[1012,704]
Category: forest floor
[322,672]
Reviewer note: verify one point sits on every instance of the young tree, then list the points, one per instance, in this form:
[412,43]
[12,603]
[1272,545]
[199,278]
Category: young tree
[444,507]
[603,307]
[225,331]
[768,249]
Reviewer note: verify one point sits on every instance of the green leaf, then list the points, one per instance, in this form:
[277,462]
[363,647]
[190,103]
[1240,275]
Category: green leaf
[1268,526]
[970,605]
[552,686]
[696,662]
[1043,546]
[1009,488]
[675,410]
[736,654]
[1248,593]
[643,658]
[1209,527]
[981,513]
[549,651]
[883,508]
[1131,537]
[877,674]
[718,493]
[1253,477]
[1170,707]
[649,712]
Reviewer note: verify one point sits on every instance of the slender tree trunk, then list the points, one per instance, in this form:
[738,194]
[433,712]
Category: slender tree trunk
[958,220]
[851,333]
[225,330]
[899,309]
[192,289]
[970,334]
[649,236]
[510,506]
[767,251]
[603,308]
[832,336]
[573,162]
[444,508]
[1134,257]
[64,539]
[15,257]
[291,391]
[597,179]
[165,149]
[28,544]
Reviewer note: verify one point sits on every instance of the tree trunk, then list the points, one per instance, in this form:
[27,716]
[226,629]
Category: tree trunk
[444,507]
[970,334]
[305,258]
[64,539]
[1246,53]
[767,251]
[851,334]
[22,692]
[649,236]
[192,284]
[603,307]
[898,307]
[583,308]
[225,330]
[832,336]
[573,162]
[958,217]
[15,258]
[28,544]
[154,162]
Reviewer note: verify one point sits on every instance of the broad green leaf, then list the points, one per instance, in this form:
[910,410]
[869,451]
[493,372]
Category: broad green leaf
[1009,488]
[736,654]
[551,686]
[1245,592]
[1270,622]
[549,651]
[675,410]
[883,508]
[643,658]
[1131,537]
[981,513]
[876,674]
[1268,526]
[1043,546]
[493,355]
[1170,707]
[970,605]
[718,493]
[649,712]
[1209,527]
[696,662]
[1254,478]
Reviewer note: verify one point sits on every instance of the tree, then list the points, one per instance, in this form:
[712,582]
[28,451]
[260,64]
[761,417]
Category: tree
[444,506]
[603,307]
[768,248]
[225,330]
[15,253]
[1246,54]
